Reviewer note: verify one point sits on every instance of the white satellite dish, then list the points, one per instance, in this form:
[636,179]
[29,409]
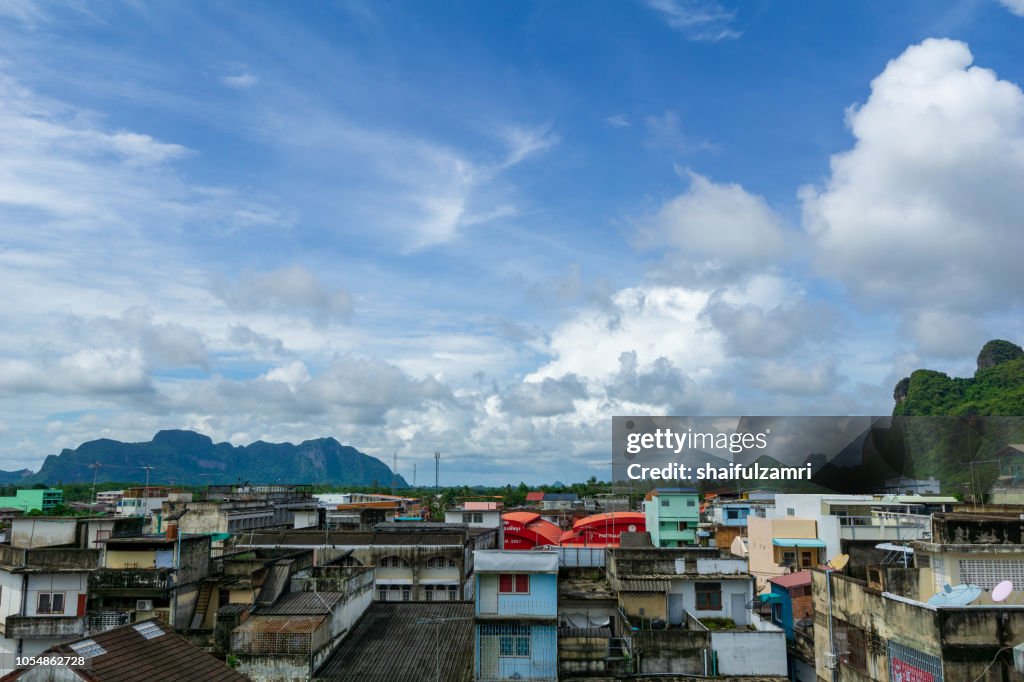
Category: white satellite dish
[1001,591]
[955,595]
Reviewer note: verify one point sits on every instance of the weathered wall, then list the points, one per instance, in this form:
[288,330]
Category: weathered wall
[742,652]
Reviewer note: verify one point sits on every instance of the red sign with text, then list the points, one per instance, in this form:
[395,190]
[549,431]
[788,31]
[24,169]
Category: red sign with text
[904,672]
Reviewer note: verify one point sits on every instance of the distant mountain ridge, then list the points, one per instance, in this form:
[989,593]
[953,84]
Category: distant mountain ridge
[190,458]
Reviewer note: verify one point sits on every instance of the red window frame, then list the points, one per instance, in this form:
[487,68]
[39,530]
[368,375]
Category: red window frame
[513,583]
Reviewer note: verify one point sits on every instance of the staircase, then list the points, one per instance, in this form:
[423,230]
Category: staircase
[202,603]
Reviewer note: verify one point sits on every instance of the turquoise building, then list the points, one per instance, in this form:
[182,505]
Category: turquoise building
[34,499]
[516,614]
[672,516]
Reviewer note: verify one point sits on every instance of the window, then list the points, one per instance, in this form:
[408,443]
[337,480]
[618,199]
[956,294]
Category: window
[851,645]
[805,559]
[664,503]
[789,557]
[709,596]
[691,503]
[393,562]
[732,514]
[440,562]
[382,594]
[514,583]
[473,517]
[517,643]
[790,511]
[50,603]
[682,525]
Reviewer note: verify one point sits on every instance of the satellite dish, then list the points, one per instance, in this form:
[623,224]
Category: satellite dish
[838,563]
[956,595]
[1001,591]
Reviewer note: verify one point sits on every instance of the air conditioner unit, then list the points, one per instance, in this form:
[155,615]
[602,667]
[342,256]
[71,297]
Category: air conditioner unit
[831,661]
[143,604]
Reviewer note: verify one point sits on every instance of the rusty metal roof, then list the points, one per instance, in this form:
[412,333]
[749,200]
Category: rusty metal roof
[129,656]
[397,641]
[301,604]
[281,624]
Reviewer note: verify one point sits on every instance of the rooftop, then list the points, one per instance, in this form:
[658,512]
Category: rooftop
[302,604]
[148,650]
[798,579]
[406,641]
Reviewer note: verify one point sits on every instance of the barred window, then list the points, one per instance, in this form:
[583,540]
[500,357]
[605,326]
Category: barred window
[513,640]
[440,562]
[851,644]
[394,562]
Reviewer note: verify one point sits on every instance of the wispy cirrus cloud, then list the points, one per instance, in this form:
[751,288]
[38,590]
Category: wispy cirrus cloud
[700,20]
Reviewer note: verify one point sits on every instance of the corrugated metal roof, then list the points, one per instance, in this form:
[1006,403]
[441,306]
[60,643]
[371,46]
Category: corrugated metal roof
[281,624]
[301,604]
[396,641]
[131,657]
[638,584]
[499,560]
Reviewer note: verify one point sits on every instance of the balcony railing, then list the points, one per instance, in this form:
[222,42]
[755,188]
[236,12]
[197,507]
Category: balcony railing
[520,608]
[138,579]
[30,627]
[885,526]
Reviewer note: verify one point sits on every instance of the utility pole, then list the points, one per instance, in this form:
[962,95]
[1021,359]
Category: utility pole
[437,472]
[95,470]
[394,474]
[414,474]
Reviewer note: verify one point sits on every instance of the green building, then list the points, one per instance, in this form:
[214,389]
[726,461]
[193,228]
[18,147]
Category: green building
[672,516]
[43,499]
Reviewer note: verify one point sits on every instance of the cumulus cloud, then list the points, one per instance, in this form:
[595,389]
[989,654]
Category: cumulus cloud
[660,384]
[714,231]
[925,209]
[91,371]
[545,398]
[292,290]
[799,379]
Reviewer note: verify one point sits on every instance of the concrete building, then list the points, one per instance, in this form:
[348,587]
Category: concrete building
[778,546]
[34,499]
[672,516]
[516,613]
[289,640]
[729,519]
[413,561]
[475,514]
[890,627]
[240,508]
[43,598]
[148,576]
[145,500]
[689,611]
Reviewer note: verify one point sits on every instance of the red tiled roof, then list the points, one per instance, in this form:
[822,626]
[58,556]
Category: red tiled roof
[535,497]
[789,580]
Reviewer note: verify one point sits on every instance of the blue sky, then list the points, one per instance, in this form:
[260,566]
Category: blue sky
[485,228]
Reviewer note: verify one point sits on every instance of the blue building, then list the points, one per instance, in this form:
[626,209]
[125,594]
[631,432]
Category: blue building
[516,615]
[790,598]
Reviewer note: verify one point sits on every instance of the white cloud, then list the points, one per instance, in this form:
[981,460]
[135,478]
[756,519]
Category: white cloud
[925,209]
[1015,6]
[241,81]
[545,398]
[714,231]
[618,121]
[701,20]
[293,291]
[799,379]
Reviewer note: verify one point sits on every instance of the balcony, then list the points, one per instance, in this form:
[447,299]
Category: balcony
[885,526]
[36,627]
[518,608]
[131,582]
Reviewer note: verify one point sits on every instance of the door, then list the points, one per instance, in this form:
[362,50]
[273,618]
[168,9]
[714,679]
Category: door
[739,609]
[675,609]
